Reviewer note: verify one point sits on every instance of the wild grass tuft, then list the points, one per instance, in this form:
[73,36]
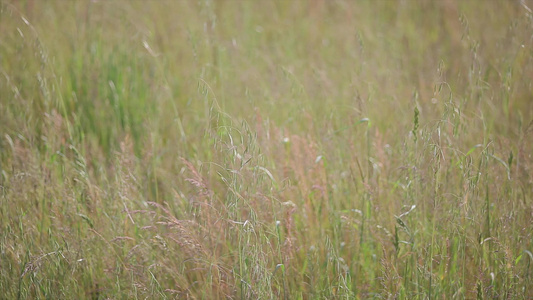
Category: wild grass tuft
[266,149]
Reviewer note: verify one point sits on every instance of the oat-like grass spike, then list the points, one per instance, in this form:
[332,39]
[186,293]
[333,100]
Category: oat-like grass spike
[415,123]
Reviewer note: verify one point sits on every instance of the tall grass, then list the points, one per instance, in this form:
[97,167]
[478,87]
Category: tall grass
[266,149]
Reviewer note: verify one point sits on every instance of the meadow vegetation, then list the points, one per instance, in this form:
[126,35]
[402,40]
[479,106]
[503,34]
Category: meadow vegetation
[266,149]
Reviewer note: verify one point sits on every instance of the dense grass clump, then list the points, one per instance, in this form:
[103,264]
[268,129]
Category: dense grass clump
[266,149]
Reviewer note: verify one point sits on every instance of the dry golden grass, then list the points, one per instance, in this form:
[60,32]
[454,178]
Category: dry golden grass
[266,149]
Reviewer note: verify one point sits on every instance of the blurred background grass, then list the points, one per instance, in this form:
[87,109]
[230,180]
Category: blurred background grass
[266,149]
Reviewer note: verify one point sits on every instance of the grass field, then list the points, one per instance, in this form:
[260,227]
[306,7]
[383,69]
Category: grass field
[266,149]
